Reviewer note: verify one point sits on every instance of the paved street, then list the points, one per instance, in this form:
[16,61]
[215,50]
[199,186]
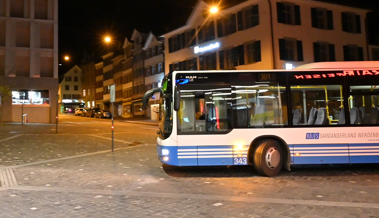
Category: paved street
[74,173]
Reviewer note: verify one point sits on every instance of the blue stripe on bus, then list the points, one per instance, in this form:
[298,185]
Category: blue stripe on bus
[335,153]
[202,155]
[320,154]
[364,153]
[300,154]
[215,155]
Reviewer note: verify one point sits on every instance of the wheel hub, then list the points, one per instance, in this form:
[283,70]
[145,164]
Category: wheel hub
[272,158]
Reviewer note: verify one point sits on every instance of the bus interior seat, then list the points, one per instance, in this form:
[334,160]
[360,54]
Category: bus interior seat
[354,115]
[312,116]
[342,120]
[296,117]
[362,114]
[374,115]
[243,116]
[321,117]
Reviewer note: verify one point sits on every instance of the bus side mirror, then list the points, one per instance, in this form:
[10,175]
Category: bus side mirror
[176,99]
[148,95]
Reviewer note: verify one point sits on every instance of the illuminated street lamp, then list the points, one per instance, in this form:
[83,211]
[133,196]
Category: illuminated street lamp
[66,58]
[213,10]
[107,39]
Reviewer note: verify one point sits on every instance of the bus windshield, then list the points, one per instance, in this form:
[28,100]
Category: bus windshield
[165,116]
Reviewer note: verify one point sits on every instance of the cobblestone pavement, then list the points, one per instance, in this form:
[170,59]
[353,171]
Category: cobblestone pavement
[75,174]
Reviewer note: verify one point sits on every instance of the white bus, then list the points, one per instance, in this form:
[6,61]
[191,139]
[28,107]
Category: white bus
[270,119]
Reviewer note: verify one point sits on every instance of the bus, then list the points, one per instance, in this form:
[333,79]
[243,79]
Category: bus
[320,113]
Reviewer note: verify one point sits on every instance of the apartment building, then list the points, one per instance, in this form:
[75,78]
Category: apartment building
[70,91]
[29,59]
[127,79]
[154,71]
[267,34]
[139,40]
[88,81]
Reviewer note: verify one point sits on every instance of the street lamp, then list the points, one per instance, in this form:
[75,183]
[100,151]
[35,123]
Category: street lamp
[107,39]
[66,58]
[213,10]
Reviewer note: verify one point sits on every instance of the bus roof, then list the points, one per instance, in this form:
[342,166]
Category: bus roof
[340,65]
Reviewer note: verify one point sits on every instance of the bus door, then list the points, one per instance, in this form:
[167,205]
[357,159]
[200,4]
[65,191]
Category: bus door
[201,114]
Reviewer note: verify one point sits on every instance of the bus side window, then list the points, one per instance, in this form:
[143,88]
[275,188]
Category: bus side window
[260,105]
[217,117]
[310,98]
[364,106]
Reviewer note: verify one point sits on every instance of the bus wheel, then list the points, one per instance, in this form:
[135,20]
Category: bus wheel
[268,158]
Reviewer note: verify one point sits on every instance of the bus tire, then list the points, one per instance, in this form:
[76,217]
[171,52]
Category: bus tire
[268,158]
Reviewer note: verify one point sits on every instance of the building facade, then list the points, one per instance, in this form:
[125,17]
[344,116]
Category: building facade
[127,79]
[267,34]
[88,81]
[29,59]
[70,91]
[154,71]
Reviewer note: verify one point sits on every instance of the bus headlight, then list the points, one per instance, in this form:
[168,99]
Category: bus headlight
[165,159]
[165,151]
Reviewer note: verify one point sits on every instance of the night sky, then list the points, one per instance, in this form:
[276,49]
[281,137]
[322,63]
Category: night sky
[83,23]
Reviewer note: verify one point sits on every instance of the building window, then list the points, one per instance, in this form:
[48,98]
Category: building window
[208,62]
[67,87]
[288,13]
[249,17]
[290,49]
[84,92]
[375,54]
[191,64]
[160,49]
[226,26]
[174,43]
[323,51]
[148,73]
[67,78]
[147,53]
[351,22]
[153,70]
[352,53]
[75,79]
[76,88]
[207,32]
[253,52]
[160,70]
[322,18]
[153,51]
[190,39]
[229,59]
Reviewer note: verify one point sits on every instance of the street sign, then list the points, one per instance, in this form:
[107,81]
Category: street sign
[112,92]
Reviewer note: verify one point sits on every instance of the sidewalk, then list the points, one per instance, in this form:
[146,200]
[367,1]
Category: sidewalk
[139,120]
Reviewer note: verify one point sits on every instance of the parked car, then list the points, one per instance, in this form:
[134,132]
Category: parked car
[79,111]
[103,114]
[91,112]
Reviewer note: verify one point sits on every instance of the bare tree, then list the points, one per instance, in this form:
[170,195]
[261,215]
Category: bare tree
[5,94]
